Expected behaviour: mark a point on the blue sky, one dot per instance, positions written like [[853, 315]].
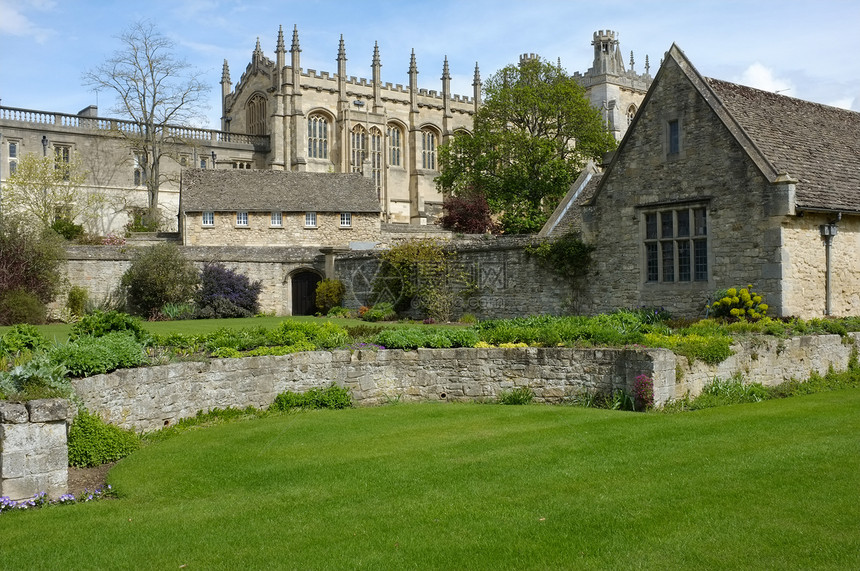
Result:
[[805, 49]]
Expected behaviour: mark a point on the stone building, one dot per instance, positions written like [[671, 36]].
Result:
[[280, 116], [331, 122], [615, 90], [276, 208], [718, 185]]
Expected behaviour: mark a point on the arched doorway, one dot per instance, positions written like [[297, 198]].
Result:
[[304, 286]]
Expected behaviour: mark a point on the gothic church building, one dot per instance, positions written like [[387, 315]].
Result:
[[281, 116]]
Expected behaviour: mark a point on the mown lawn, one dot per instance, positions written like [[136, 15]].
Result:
[[434, 486]]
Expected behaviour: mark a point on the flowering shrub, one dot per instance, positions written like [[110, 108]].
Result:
[[643, 392], [741, 303]]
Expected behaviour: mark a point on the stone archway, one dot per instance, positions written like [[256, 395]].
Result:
[[304, 287]]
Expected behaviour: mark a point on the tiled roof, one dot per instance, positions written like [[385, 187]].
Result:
[[267, 190], [814, 143]]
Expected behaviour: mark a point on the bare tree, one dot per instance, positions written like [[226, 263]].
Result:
[[155, 90]]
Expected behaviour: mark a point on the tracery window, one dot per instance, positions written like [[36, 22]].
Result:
[[256, 111], [317, 137], [376, 159], [358, 147], [428, 149], [395, 145]]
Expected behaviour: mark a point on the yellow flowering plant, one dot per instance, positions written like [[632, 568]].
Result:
[[740, 303]]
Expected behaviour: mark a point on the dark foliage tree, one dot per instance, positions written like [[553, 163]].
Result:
[[226, 293], [468, 213], [531, 138]]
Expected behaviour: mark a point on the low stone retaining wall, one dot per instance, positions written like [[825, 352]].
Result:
[[33, 452], [153, 397]]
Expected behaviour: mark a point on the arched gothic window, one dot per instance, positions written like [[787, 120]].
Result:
[[256, 110], [395, 145], [428, 149], [358, 147], [376, 158], [631, 112], [317, 137]]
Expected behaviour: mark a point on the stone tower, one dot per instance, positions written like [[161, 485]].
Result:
[[616, 91]]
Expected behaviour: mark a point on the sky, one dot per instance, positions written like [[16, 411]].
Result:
[[805, 49]]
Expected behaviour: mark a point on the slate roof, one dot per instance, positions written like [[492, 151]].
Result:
[[267, 190], [816, 144]]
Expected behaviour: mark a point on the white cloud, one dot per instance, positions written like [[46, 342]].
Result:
[[16, 23], [844, 103], [761, 77]]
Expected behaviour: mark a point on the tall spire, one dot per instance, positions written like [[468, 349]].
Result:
[[413, 67], [476, 87], [341, 50], [446, 91], [341, 75], [295, 47], [376, 66], [257, 49], [631, 60], [225, 73], [413, 83], [280, 47]]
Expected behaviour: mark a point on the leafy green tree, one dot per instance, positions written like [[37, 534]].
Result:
[[531, 138], [159, 275], [425, 275], [44, 190], [30, 260]]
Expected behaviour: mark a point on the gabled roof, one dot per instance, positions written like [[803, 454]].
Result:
[[567, 216], [267, 190], [814, 144]]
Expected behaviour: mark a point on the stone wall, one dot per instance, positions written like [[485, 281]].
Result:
[[806, 262], [510, 282], [292, 232], [151, 398], [99, 269], [154, 397], [33, 452]]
